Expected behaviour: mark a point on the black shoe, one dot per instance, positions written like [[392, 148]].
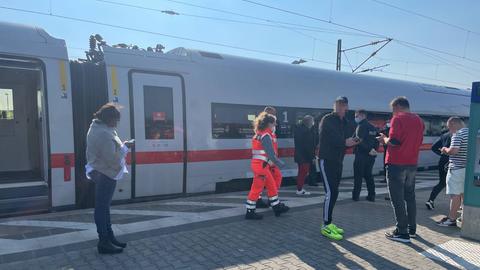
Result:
[[114, 240], [370, 198], [387, 198], [262, 204], [252, 215], [106, 247], [430, 205], [412, 233], [280, 209], [395, 236]]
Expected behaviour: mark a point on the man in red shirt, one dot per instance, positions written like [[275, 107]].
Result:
[[404, 141]]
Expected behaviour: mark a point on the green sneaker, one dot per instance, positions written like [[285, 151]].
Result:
[[336, 229], [331, 234]]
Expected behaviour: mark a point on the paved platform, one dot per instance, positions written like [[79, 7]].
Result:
[[209, 232]]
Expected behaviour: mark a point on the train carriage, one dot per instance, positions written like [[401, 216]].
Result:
[[189, 111]]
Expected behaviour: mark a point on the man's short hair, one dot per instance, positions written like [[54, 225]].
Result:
[[400, 102], [341, 100], [456, 120], [270, 110], [361, 111], [308, 118]]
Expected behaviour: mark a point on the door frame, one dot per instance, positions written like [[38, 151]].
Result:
[[131, 72], [46, 152]]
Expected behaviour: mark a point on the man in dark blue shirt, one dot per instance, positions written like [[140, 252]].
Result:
[[365, 154], [443, 141]]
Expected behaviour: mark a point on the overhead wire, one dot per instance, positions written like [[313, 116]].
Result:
[[177, 37], [359, 30]]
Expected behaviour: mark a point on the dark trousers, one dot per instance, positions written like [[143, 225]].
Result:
[[331, 172], [104, 189], [401, 186], [362, 168], [442, 180], [313, 176]]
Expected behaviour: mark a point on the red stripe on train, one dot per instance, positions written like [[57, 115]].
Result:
[[63, 160]]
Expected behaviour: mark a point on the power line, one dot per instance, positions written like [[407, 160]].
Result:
[[441, 59], [280, 24], [158, 33], [181, 38], [171, 12], [360, 30], [426, 17], [306, 27], [314, 18]]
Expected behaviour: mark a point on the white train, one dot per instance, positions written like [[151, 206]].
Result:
[[189, 112]]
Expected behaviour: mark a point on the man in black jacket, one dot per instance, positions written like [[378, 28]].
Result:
[[334, 138], [365, 154], [304, 151], [443, 141]]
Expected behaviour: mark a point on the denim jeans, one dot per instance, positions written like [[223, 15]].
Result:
[[104, 189], [401, 186]]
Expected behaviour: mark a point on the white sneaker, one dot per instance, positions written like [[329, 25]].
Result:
[[303, 192]]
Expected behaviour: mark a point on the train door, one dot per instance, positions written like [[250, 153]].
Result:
[[23, 167], [21, 125], [157, 122]]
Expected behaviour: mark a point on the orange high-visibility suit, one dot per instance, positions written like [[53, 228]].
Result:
[[276, 173], [262, 172]]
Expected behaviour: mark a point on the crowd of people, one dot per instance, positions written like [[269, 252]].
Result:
[[322, 149], [317, 152]]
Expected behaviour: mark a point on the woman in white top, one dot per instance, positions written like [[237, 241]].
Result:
[[105, 165]]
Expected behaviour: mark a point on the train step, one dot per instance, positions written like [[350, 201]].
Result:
[[24, 206], [23, 190]]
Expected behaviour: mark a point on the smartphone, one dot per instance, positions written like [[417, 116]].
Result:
[[132, 141]]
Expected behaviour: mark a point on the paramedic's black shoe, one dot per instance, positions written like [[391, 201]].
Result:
[[252, 215], [262, 204], [280, 209]]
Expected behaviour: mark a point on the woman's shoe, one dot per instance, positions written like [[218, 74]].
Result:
[[115, 242], [106, 247]]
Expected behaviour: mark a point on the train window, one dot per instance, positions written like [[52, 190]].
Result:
[[379, 120], [434, 125], [234, 121], [437, 126], [6, 104], [158, 113]]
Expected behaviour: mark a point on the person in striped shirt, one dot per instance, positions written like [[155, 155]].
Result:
[[457, 153]]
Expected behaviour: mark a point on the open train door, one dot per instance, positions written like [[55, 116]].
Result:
[[157, 115], [36, 131]]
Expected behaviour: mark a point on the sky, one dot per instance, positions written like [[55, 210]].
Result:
[[246, 29]]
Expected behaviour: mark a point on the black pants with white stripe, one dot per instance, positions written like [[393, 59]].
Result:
[[331, 172]]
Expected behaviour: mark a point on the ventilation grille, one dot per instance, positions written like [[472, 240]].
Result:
[[211, 55]]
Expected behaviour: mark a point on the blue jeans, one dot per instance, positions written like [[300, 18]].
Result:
[[104, 189], [401, 186]]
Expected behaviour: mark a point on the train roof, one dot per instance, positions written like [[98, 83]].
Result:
[[30, 41]]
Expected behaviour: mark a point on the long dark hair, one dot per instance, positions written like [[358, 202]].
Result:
[[263, 120]]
